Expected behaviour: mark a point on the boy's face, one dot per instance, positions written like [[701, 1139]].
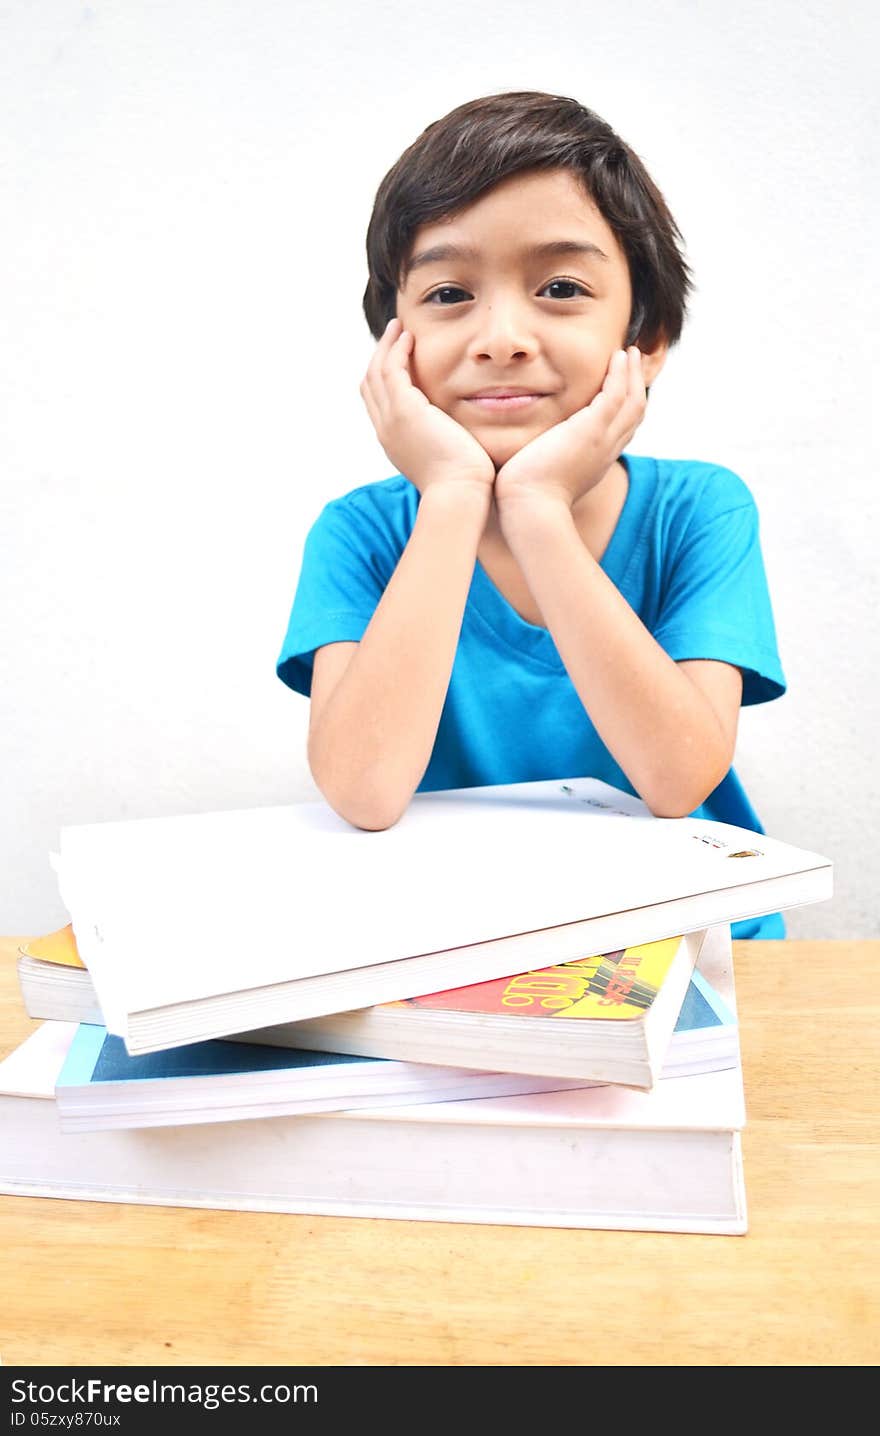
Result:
[[505, 316]]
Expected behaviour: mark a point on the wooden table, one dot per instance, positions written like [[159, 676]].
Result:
[[93, 1283]]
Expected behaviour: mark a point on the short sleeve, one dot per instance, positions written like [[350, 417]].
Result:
[[346, 564], [716, 603]]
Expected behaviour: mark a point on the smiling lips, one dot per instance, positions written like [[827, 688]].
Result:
[[503, 400]]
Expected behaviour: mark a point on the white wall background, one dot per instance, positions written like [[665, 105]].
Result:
[[185, 191]]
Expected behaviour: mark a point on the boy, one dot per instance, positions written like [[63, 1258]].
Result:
[[523, 599]]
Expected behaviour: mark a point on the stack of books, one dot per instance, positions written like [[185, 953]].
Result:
[[516, 1006]]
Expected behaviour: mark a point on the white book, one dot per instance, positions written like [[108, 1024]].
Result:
[[210, 924], [615, 1017], [603, 1157], [57, 991]]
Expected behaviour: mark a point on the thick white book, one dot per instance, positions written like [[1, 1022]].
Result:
[[603, 1157], [210, 924]]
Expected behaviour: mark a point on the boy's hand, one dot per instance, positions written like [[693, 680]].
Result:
[[423, 443], [565, 462]]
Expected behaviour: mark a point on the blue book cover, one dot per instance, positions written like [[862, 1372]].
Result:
[[97, 1056], [100, 1085], [703, 1008]]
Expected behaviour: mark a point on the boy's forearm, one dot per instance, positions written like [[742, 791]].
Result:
[[655, 722], [370, 744]]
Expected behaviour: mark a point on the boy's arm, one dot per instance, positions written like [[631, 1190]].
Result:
[[670, 726], [376, 705]]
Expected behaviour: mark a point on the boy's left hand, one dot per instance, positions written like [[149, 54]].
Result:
[[568, 460]]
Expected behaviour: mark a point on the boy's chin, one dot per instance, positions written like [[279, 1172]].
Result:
[[503, 449], [502, 443]]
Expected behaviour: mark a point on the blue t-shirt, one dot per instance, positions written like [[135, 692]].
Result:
[[686, 556]]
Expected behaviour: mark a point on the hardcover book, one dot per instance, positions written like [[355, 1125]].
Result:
[[603, 1156]]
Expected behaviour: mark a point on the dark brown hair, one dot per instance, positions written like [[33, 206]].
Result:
[[458, 158]]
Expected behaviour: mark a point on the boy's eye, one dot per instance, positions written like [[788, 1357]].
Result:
[[441, 295], [568, 284], [448, 294]]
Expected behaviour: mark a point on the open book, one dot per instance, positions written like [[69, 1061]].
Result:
[[205, 925]]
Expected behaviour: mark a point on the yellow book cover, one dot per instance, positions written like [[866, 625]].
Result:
[[59, 946]]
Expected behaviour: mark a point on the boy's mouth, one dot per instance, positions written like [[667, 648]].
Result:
[[503, 400]]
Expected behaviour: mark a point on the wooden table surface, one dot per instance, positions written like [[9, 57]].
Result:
[[94, 1283]]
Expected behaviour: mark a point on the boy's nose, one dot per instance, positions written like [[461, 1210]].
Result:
[[501, 333]]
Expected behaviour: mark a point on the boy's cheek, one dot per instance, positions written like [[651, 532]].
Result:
[[420, 371], [582, 394], [591, 375]]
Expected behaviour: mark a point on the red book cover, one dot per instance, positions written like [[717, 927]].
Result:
[[618, 985]]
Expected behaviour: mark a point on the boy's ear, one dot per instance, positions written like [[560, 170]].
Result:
[[653, 360]]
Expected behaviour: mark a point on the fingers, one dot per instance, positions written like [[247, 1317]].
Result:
[[395, 368], [388, 388], [371, 405], [624, 383], [636, 391], [388, 373], [616, 381], [372, 384], [620, 403], [633, 409]]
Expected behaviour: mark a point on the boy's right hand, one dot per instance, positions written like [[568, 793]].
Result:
[[425, 444]]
